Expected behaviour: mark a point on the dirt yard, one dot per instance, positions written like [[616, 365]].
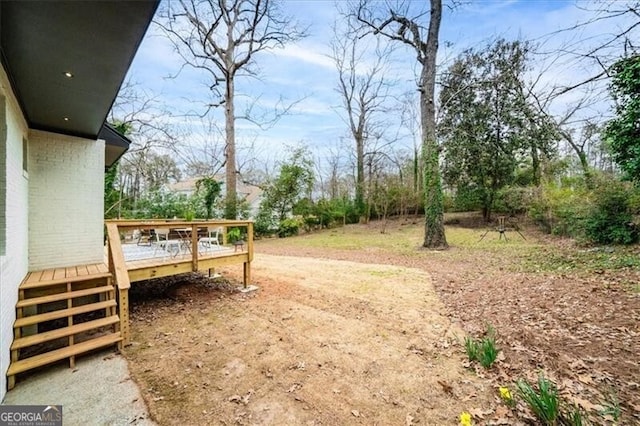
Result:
[[357, 327]]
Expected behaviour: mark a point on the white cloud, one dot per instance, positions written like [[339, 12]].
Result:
[[309, 54]]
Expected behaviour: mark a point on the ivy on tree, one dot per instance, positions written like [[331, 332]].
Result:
[[623, 132]]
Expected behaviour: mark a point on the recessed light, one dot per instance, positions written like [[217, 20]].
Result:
[[66, 118], [68, 74]]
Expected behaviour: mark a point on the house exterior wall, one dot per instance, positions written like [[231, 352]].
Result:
[[14, 209], [66, 187]]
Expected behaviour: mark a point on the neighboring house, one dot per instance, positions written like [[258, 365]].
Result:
[[62, 66], [247, 192]]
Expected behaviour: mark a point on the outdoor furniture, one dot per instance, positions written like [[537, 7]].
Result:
[[165, 243], [238, 245], [142, 237], [501, 228], [212, 238]]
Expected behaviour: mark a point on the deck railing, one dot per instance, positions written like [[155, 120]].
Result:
[[117, 230]]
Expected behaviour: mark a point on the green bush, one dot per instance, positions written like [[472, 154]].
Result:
[[467, 198], [289, 227], [560, 209], [610, 220], [265, 224], [514, 200], [234, 234]]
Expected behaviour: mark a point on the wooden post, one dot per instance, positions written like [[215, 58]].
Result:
[[120, 274], [72, 358], [123, 304], [247, 265], [246, 274], [194, 247], [250, 240]]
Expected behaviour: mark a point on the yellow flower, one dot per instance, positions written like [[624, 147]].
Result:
[[465, 419], [505, 394]]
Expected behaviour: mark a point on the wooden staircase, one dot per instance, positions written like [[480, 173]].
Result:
[[62, 313]]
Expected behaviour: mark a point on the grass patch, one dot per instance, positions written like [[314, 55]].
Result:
[[548, 260]]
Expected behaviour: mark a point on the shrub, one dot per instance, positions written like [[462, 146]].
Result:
[[514, 200], [289, 227], [560, 209], [234, 234], [610, 220], [467, 198], [265, 223]]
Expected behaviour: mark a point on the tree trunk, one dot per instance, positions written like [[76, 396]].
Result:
[[584, 162], [434, 236], [231, 208], [360, 203], [535, 164]]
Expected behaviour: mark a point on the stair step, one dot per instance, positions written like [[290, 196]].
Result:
[[63, 332], [63, 275], [62, 353], [63, 296], [30, 283], [36, 319]]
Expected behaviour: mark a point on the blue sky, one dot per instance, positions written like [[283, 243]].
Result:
[[305, 71]]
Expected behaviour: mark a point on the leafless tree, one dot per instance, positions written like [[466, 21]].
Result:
[[396, 24], [363, 85], [221, 38], [145, 121], [143, 118], [202, 148], [622, 20]]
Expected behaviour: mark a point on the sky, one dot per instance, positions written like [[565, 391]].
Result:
[[304, 74]]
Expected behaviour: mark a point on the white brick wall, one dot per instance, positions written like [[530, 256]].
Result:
[[14, 206], [66, 186]]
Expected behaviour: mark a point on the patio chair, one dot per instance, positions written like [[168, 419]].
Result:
[[165, 243], [212, 238]]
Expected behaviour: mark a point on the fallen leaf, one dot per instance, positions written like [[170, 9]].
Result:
[[446, 387], [501, 411], [585, 378], [586, 405], [294, 387], [478, 413]]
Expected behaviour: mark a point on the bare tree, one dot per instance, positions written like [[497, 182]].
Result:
[[221, 38], [364, 90], [140, 116], [411, 122], [202, 150], [622, 18], [396, 25]]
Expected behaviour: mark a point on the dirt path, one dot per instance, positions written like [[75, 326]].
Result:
[[321, 342]]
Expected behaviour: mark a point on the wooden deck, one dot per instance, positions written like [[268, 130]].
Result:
[[127, 269], [68, 311]]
